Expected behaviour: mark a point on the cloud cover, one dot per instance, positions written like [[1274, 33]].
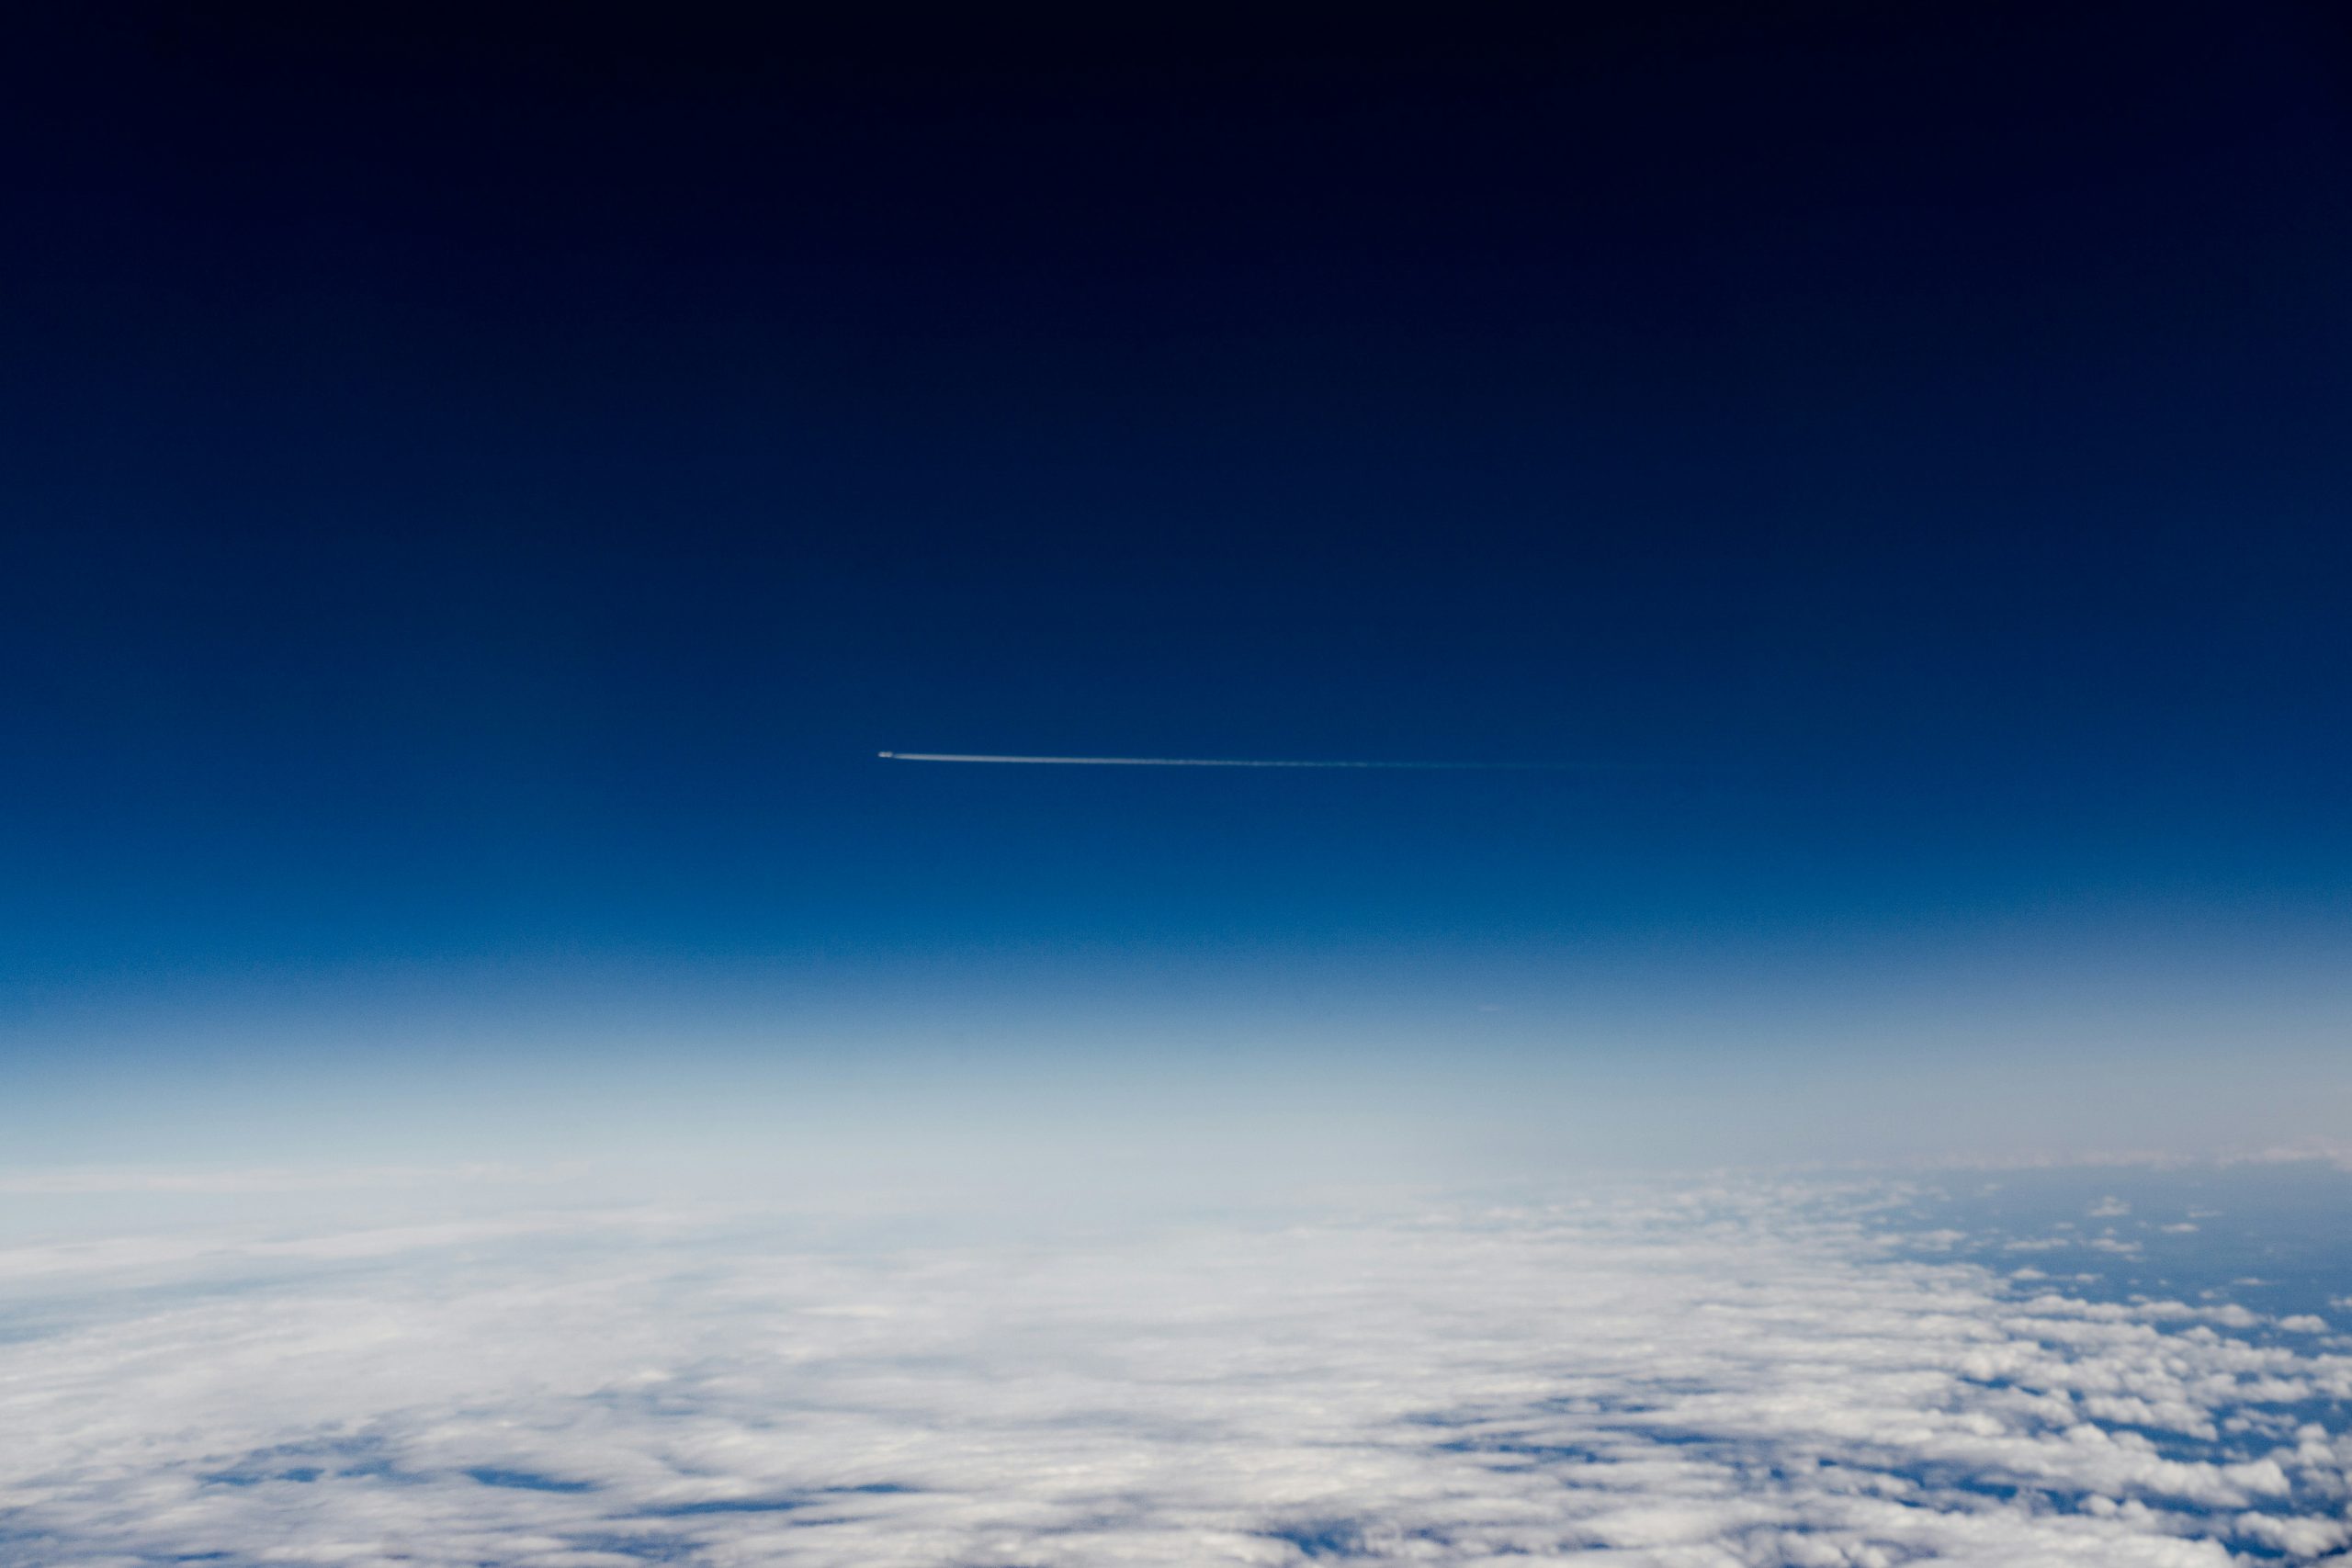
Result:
[[1685, 1377]]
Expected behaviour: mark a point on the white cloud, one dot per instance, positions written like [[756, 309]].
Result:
[[1716, 1376]]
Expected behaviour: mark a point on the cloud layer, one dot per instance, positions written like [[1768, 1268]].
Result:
[[1730, 1375]]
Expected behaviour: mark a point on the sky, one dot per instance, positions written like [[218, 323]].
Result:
[[481, 494]]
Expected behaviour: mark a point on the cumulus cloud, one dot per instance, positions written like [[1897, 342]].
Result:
[[1685, 1377]]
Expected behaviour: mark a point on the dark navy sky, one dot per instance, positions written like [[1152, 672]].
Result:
[[479, 494]]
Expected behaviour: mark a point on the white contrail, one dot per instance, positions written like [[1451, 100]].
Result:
[[1230, 762]]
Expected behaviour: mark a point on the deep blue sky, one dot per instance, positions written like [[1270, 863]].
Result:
[[478, 494]]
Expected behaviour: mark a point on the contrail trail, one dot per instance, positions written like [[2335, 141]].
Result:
[[1241, 762]]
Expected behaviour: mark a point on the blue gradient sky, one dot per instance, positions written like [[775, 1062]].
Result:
[[480, 499]]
